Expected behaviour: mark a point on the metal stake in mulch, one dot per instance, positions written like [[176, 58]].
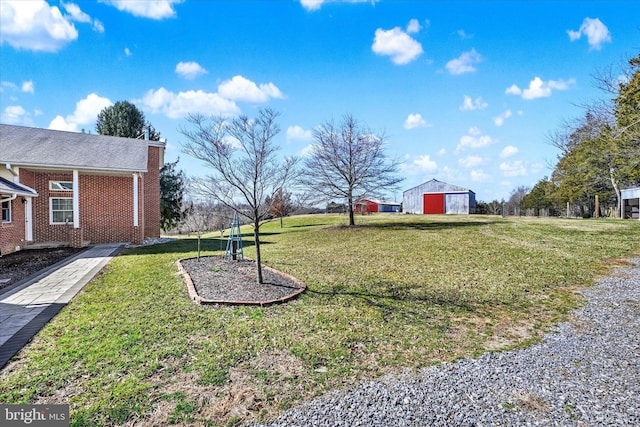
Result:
[[234, 244]]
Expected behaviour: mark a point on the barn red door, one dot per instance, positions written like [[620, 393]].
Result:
[[433, 203]]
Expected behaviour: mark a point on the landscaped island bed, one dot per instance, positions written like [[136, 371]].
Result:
[[396, 292]]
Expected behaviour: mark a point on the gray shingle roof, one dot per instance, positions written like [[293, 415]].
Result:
[[25, 146], [8, 187]]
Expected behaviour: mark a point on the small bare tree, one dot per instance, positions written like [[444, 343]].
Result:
[[246, 169], [199, 219], [347, 161]]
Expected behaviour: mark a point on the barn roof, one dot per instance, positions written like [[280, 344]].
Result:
[[46, 148], [435, 186]]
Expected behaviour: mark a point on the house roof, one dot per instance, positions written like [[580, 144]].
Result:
[[435, 186], [34, 147], [8, 187]]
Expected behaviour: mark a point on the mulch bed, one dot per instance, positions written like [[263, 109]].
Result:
[[214, 280], [22, 264]]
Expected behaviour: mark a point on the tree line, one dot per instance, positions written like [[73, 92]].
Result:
[[599, 154]]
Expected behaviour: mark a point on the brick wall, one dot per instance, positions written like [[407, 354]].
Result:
[[12, 233], [106, 209], [152, 193]]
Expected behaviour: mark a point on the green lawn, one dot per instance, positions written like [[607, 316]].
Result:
[[397, 292]]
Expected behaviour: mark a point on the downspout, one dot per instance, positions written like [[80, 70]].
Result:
[[15, 179]]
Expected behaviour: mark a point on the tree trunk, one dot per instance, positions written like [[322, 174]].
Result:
[[256, 238], [618, 193], [281, 226], [352, 221]]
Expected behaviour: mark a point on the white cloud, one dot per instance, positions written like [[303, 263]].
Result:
[[597, 33], [307, 151], [442, 151], [127, 51], [479, 176], [539, 88], [499, 120], [297, 133], [413, 26], [471, 161], [78, 15], [514, 168], [474, 139], [189, 70], [86, 112], [242, 89], [313, 5], [14, 114], [508, 151], [470, 104], [28, 86], [424, 163], [177, 105], [414, 121], [465, 63], [153, 9], [397, 44], [34, 25], [463, 35]]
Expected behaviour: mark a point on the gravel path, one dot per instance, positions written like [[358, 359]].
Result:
[[585, 373]]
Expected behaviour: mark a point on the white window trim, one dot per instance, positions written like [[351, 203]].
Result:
[[10, 213], [60, 189], [51, 211]]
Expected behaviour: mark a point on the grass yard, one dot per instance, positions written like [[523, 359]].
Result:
[[397, 292]]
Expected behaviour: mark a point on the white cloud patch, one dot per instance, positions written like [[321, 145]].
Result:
[[470, 104], [28, 86], [14, 114], [597, 33], [242, 89], [499, 119], [424, 163], [34, 25], [415, 121], [463, 35], [78, 15], [474, 139], [508, 151], [539, 88], [127, 51], [465, 63], [298, 133], [178, 105], [313, 5], [190, 70], [413, 26], [397, 44], [478, 175], [86, 112], [152, 9], [514, 168], [471, 161]]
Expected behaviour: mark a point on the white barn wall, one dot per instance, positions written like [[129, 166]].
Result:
[[458, 200]]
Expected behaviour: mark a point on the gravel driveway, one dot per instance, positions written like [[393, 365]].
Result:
[[585, 373]]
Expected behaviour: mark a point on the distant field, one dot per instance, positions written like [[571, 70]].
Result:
[[396, 292]]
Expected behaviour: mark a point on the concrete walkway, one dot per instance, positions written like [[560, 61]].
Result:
[[28, 305]]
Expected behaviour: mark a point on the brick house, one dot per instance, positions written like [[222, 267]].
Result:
[[77, 188]]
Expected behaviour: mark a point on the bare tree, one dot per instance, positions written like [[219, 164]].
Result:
[[245, 165], [199, 219], [347, 161]]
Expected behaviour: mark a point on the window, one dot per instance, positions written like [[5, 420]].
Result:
[[61, 185], [61, 210], [6, 211]]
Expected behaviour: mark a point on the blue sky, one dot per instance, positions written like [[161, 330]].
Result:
[[465, 91]]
